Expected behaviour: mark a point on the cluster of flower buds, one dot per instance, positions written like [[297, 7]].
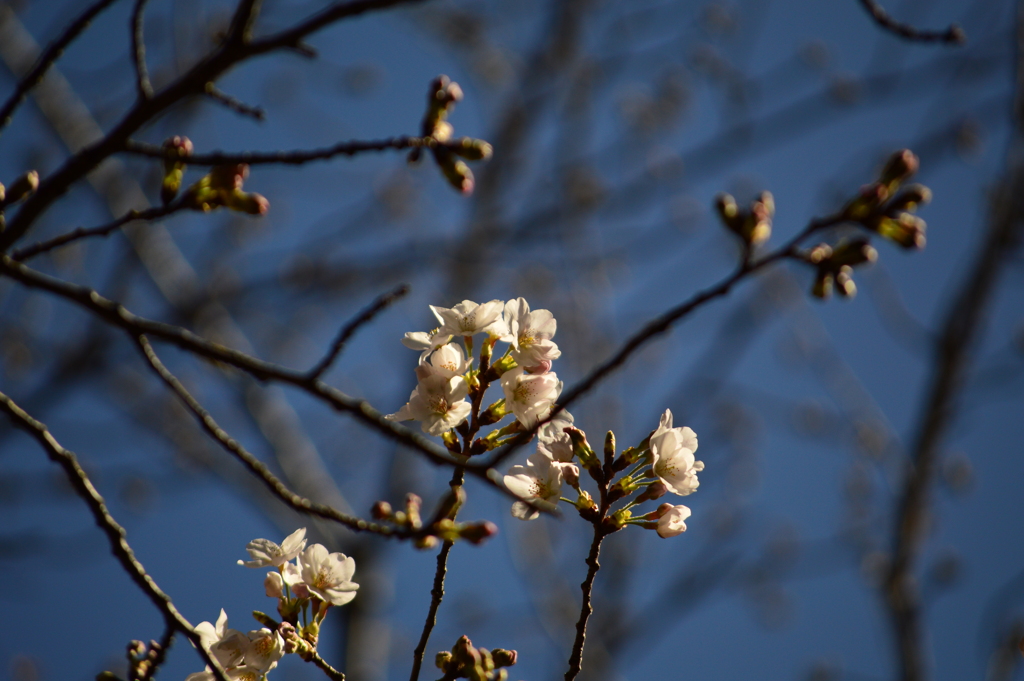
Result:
[[180, 148], [835, 266], [447, 150], [754, 226], [476, 664], [305, 590], [141, 660], [223, 187], [888, 211], [442, 525]]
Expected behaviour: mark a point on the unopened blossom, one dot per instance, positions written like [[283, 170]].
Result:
[[265, 553], [553, 441], [448, 361], [274, 585], [672, 521], [438, 403], [672, 452], [530, 334], [328, 575], [266, 647], [541, 478], [530, 396], [425, 341], [468, 318]]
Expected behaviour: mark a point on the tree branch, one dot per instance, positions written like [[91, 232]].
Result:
[[354, 325], [23, 254], [295, 157], [576, 657], [47, 58], [954, 35], [142, 84], [115, 533], [255, 466]]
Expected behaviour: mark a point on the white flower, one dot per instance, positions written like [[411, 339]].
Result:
[[265, 553], [672, 520], [540, 478], [227, 646], [530, 334], [530, 396], [328, 575], [672, 457], [553, 441], [425, 341], [292, 576], [468, 319], [266, 647], [448, 361], [438, 403]]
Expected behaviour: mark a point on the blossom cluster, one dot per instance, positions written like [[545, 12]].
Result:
[[447, 401], [305, 589]]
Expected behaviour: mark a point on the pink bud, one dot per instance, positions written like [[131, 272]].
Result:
[[542, 368]]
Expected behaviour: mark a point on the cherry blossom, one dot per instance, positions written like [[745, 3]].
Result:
[[328, 575], [530, 396], [672, 456], [266, 647], [530, 334], [553, 441], [265, 553], [425, 341], [541, 478], [438, 403], [468, 318], [448, 361]]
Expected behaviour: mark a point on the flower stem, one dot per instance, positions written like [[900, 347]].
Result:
[[436, 593], [576, 658]]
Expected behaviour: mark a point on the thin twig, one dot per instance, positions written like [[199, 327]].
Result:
[[654, 328], [115, 533], [331, 672], [436, 593], [35, 249], [244, 21], [49, 56], [117, 315], [255, 466], [354, 325], [295, 157], [576, 658], [236, 105], [953, 35], [142, 84], [190, 83]]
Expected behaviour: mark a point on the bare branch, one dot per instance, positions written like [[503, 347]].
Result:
[[142, 84], [47, 58], [954, 35], [331, 672], [23, 254], [354, 325], [255, 466], [236, 105], [115, 533], [295, 157]]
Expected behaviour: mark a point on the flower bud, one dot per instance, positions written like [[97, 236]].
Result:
[[428, 542], [471, 149], [451, 441], [581, 448], [867, 202], [455, 171], [494, 413], [504, 658], [912, 196], [853, 252], [655, 490], [274, 585], [229, 177], [822, 287], [609, 446], [844, 282], [442, 660], [475, 533], [542, 368], [174, 168], [571, 475], [900, 166], [381, 511], [265, 619], [22, 187], [3, 192], [251, 203], [728, 211]]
